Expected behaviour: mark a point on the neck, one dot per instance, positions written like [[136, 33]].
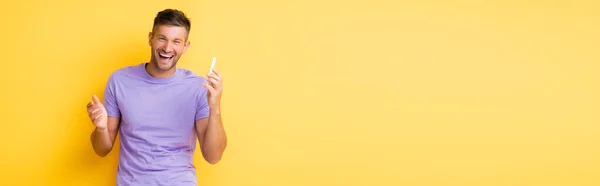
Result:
[[154, 71]]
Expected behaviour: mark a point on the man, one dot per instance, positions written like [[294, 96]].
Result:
[[159, 110]]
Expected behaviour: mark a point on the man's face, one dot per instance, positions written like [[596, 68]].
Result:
[[168, 43]]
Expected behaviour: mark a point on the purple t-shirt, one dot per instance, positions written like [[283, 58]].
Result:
[[157, 128]]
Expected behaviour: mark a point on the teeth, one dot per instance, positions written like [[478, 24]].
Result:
[[165, 56]]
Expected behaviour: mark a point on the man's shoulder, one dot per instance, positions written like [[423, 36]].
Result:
[[125, 72], [189, 75]]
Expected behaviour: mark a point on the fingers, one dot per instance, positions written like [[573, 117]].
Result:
[[97, 118], [96, 100], [213, 81], [215, 72], [210, 88], [94, 113], [97, 115], [91, 107], [94, 104], [214, 76]]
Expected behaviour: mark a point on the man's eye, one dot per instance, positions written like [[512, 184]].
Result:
[[177, 42], [161, 39]]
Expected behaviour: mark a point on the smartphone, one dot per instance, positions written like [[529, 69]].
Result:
[[213, 64]]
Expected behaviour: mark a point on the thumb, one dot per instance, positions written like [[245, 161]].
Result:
[[96, 100]]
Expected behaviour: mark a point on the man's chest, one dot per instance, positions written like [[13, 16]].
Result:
[[163, 108]]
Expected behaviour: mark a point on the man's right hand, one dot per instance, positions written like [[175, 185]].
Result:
[[97, 113]]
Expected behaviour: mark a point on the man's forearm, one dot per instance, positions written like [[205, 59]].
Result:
[[101, 141], [215, 139]]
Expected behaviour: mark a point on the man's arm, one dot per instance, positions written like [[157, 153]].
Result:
[[106, 120], [210, 131], [103, 139], [212, 137]]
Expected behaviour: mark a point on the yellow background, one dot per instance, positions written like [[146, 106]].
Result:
[[444, 93]]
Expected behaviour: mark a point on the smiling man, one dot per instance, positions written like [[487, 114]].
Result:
[[160, 110]]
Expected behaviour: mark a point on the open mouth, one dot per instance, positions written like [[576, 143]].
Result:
[[165, 57]]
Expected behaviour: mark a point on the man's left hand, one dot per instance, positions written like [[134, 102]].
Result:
[[214, 85]]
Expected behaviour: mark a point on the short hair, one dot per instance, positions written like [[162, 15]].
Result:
[[171, 17]]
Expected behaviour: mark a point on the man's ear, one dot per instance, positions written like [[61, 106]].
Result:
[[150, 38], [186, 45]]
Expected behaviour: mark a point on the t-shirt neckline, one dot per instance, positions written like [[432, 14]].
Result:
[[150, 78]]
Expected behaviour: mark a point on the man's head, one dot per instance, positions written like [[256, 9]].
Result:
[[169, 38]]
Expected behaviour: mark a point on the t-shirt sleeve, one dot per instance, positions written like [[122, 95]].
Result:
[[202, 109], [110, 99]]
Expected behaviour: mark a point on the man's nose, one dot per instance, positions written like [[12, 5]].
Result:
[[168, 48]]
